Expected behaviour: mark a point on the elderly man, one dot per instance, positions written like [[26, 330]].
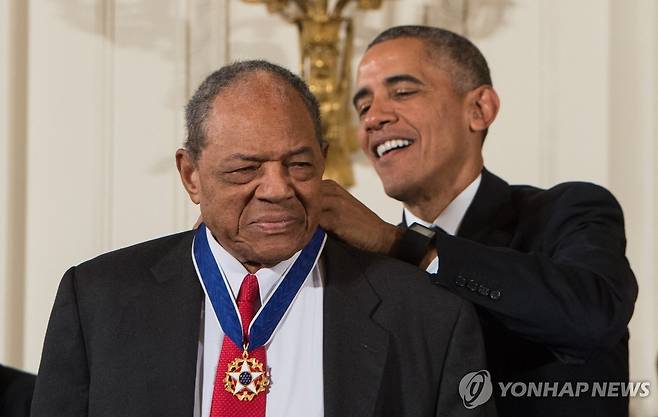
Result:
[[545, 268], [256, 313]]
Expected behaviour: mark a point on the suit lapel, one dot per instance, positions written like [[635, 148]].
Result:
[[490, 215], [172, 309], [355, 346]]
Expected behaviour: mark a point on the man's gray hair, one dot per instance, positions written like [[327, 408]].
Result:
[[454, 53], [199, 106]]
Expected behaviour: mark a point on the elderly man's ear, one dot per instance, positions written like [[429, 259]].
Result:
[[189, 174], [483, 105]]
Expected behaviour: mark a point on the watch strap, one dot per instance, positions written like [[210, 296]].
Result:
[[414, 243]]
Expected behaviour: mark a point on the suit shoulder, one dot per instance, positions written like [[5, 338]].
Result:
[[135, 257], [567, 210], [579, 196], [569, 191]]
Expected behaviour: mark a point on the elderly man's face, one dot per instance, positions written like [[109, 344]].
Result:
[[413, 124], [258, 178]]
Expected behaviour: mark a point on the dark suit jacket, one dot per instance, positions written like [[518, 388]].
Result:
[[123, 337], [16, 389], [554, 291]]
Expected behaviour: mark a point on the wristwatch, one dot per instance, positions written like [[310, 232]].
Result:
[[414, 243]]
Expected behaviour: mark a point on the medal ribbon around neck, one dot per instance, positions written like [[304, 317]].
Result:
[[270, 314]]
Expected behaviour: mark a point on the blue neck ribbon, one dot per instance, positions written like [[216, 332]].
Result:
[[269, 316]]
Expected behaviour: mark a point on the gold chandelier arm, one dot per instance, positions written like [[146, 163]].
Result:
[[347, 56], [338, 9]]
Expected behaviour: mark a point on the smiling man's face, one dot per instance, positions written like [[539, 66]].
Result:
[[258, 177], [414, 127]]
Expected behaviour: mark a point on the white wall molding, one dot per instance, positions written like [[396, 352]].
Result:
[[13, 131], [182, 54], [549, 88], [5, 198], [104, 193]]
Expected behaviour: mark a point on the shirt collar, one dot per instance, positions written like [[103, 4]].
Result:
[[451, 217], [235, 271]]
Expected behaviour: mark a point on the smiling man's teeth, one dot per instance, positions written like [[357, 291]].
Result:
[[392, 144]]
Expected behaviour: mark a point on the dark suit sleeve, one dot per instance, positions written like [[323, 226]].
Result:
[[62, 385], [573, 291], [465, 355]]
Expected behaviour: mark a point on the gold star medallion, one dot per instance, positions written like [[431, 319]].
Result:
[[246, 377]]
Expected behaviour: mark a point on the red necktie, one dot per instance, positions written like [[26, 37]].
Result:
[[224, 403]]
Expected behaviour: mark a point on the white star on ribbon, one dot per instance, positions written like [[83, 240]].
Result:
[[236, 377]]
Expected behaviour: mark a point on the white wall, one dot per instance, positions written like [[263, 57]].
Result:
[[92, 95], [633, 174]]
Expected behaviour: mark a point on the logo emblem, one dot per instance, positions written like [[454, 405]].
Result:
[[475, 388]]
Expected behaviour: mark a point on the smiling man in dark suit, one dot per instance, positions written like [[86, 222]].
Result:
[[256, 313], [545, 268]]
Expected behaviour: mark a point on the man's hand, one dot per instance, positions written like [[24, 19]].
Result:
[[348, 219]]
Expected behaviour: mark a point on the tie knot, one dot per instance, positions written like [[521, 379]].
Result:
[[249, 291]]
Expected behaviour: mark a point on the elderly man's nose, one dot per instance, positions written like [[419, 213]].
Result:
[[275, 184]]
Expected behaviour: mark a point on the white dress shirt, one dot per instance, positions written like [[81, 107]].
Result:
[[294, 353], [450, 218]]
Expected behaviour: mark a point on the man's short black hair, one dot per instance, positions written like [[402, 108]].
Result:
[[452, 52], [199, 106]]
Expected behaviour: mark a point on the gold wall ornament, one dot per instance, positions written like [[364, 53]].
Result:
[[326, 39]]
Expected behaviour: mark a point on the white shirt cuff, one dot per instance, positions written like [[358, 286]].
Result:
[[433, 267]]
